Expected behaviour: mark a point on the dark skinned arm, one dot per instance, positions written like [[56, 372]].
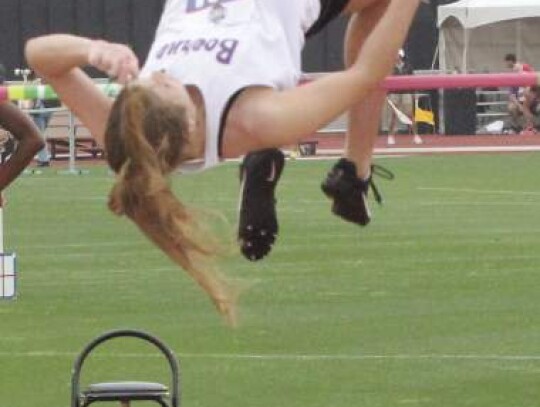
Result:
[[28, 137]]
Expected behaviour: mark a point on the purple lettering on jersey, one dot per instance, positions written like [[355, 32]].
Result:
[[173, 47], [224, 49], [186, 47], [211, 44], [227, 51], [198, 44], [162, 51], [198, 5]]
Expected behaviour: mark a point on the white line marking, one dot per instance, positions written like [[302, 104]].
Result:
[[479, 191], [331, 155], [290, 357], [12, 339], [89, 254], [469, 149], [73, 199], [80, 245], [446, 203], [388, 151]]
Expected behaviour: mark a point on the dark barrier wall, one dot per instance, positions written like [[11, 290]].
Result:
[[134, 21], [324, 51], [127, 21], [460, 112]]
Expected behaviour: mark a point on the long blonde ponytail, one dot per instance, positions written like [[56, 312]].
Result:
[[143, 142]]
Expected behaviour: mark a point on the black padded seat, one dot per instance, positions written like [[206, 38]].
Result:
[[126, 390]]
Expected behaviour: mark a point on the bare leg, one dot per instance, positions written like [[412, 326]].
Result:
[[393, 124], [364, 118], [348, 182], [392, 128], [516, 117]]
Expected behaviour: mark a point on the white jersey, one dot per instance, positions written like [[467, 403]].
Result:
[[224, 46]]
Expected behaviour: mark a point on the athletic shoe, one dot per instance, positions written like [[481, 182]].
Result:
[[417, 139], [528, 131], [258, 224], [350, 193]]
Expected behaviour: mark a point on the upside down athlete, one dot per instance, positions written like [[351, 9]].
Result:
[[219, 82]]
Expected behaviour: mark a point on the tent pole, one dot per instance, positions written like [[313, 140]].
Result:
[[444, 68], [464, 62], [442, 50], [519, 37]]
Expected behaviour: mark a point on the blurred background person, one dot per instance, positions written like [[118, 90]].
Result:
[[522, 100], [401, 104], [41, 119], [525, 112], [20, 139]]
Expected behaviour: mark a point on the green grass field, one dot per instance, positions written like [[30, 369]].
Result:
[[436, 303]]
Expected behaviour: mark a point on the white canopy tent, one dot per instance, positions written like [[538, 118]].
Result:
[[475, 35]]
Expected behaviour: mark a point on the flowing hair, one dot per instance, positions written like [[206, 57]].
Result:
[[144, 143]]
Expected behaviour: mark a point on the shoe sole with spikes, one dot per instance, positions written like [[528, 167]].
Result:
[[258, 225]]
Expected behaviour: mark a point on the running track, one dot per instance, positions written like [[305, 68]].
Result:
[[332, 143]]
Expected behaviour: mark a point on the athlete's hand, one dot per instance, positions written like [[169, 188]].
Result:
[[116, 60]]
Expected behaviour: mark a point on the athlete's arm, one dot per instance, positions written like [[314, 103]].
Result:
[[59, 58], [29, 142]]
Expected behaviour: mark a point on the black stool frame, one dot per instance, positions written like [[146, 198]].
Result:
[[169, 355]]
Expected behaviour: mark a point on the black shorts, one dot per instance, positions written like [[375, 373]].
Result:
[[330, 9]]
